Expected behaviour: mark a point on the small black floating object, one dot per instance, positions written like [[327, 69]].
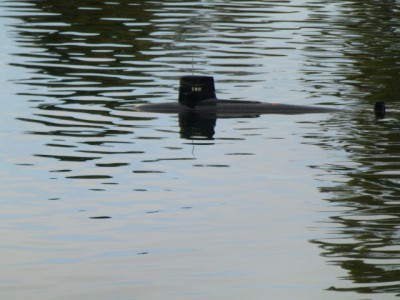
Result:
[[197, 94], [380, 110], [100, 217]]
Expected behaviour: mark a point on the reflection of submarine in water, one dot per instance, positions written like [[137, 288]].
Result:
[[195, 126], [197, 93]]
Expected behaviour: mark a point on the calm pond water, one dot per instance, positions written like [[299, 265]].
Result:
[[101, 202]]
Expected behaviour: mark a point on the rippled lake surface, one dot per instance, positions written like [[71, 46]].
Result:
[[101, 202]]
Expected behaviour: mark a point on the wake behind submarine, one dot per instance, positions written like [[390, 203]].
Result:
[[197, 94]]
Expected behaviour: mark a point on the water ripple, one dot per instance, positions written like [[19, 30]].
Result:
[[80, 62]]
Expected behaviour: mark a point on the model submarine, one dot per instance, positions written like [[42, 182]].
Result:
[[197, 94]]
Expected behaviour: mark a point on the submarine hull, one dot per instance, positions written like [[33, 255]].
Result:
[[234, 107]]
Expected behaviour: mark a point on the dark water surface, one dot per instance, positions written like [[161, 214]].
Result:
[[101, 202]]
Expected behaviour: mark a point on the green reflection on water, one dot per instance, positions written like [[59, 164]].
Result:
[[370, 71]]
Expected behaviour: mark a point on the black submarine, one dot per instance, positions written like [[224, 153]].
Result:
[[197, 94]]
